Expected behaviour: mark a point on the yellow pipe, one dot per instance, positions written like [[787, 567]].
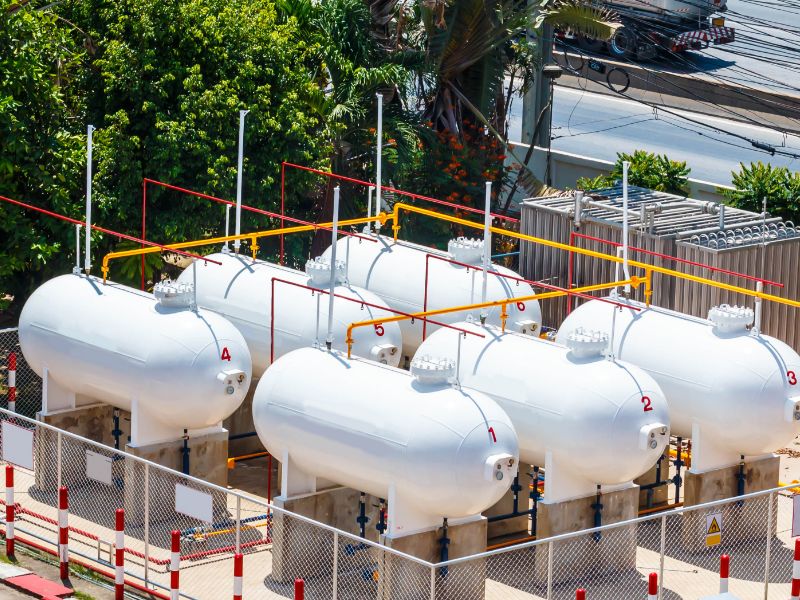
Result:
[[201, 536], [253, 237], [633, 281], [794, 490], [566, 247], [232, 460], [686, 456]]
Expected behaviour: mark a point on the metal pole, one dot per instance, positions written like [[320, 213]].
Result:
[[663, 553], [146, 524], [237, 243], [625, 269], [757, 319], [332, 285], [370, 189], [226, 248], [433, 583], [87, 266], [770, 498], [549, 570], [335, 581], [379, 159], [238, 524], [487, 245], [58, 459], [77, 268]]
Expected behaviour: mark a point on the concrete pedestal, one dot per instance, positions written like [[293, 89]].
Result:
[[241, 421], [515, 526], [741, 520], [300, 549], [402, 579], [659, 495], [614, 550]]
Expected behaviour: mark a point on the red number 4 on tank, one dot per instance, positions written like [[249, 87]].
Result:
[[226, 355]]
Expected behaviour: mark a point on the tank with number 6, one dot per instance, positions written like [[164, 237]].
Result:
[[732, 391], [586, 419]]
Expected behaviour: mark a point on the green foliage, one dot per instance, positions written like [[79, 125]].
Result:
[[647, 170], [758, 182]]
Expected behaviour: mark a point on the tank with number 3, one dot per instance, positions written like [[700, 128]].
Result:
[[586, 419], [732, 392]]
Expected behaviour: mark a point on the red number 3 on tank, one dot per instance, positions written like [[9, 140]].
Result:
[[646, 401], [791, 377]]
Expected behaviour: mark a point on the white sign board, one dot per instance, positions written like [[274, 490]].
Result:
[[17, 445], [193, 503], [713, 529], [796, 515], [98, 467]]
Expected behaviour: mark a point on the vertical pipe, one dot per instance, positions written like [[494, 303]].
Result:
[[119, 555], [10, 511], [283, 207], [12, 381], [144, 226], [185, 452], [625, 269], [238, 572], [77, 268], [757, 319], [796, 571], [379, 157], [63, 533], [549, 570], [226, 248], [487, 246], [87, 266], [370, 189], [146, 523], [175, 565], [768, 556], [724, 570], [662, 554], [59, 446], [238, 540], [194, 285], [335, 570], [332, 285], [237, 243], [578, 208]]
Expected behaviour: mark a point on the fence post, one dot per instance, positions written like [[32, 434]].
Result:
[[58, 459], [146, 524], [663, 553], [652, 586], [238, 543], [175, 565], [768, 555], [335, 581], [724, 570], [299, 589], [796, 571], [10, 511], [549, 570], [12, 381], [63, 532], [238, 572], [119, 555]]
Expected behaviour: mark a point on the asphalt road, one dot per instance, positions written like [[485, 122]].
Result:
[[599, 126]]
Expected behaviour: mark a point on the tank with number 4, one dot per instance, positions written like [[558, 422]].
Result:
[[586, 419], [730, 390]]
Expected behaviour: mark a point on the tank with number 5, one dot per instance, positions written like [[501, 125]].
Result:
[[586, 419], [732, 391]]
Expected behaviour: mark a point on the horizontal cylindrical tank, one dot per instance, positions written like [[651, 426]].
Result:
[[431, 450], [733, 392], [586, 419], [242, 291], [395, 271], [115, 344]]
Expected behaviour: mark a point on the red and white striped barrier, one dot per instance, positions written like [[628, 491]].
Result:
[[63, 532], [796, 571], [238, 570], [12, 382], [119, 556], [175, 566], [9, 511], [580, 594], [652, 587], [299, 589], [724, 569]]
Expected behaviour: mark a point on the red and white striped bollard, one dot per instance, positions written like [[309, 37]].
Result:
[[652, 586], [9, 511], [796, 571], [299, 589], [238, 571], [12, 382], [119, 556], [580, 594], [174, 566], [724, 570], [63, 532]]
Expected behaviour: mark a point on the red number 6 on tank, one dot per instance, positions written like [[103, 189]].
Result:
[[646, 401]]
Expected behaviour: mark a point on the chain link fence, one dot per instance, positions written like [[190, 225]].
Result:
[[28, 385], [611, 562]]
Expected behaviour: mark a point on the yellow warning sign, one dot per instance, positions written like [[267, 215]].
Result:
[[713, 529]]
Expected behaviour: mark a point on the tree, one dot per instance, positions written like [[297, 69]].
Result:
[[758, 182], [647, 170]]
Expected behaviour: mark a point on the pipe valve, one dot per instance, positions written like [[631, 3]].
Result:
[[651, 436], [232, 379], [500, 467]]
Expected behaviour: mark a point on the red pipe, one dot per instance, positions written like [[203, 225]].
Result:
[[356, 300], [144, 214], [401, 192], [570, 269], [121, 236], [680, 260]]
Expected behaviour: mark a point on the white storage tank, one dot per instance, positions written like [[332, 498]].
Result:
[[395, 271], [587, 420], [431, 450], [242, 291], [172, 367], [732, 392]]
